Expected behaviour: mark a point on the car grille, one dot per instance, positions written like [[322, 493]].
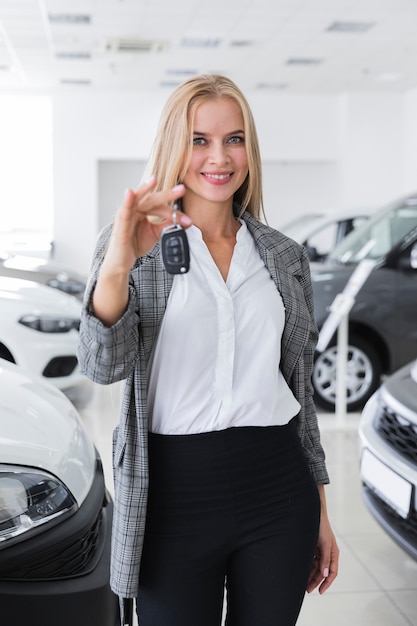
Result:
[[405, 527], [399, 432], [73, 557]]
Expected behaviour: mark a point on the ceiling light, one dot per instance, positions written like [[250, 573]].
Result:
[[181, 72], [136, 45], [170, 83], [200, 43], [73, 55], [304, 61], [350, 27], [241, 43], [69, 18], [75, 81], [272, 86]]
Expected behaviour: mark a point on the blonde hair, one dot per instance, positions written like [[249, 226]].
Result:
[[171, 152]]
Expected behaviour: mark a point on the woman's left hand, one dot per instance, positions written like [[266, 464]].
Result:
[[326, 560]]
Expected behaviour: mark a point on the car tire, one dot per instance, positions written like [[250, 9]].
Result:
[[362, 377]]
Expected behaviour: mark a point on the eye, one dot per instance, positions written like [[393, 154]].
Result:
[[199, 141], [236, 139]]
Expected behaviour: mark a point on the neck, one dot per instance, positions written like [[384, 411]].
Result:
[[213, 219]]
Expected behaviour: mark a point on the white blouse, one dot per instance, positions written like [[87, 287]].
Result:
[[216, 361]]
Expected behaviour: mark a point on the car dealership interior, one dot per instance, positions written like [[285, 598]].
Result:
[[332, 85]]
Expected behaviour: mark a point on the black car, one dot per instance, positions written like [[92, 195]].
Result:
[[383, 320], [388, 442]]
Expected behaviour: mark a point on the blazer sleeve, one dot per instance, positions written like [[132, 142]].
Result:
[[311, 434], [107, 354]]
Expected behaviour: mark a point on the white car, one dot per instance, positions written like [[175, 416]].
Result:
[[39, 330], [55, 511], [388, 445], [43, 271]]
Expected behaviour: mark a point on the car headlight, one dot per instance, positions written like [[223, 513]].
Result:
[[71, 286], [28, 499], [49, 324]]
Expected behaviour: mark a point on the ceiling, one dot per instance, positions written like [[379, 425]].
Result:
[[321, 46]]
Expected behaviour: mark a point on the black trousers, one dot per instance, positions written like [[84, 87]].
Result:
[[238, 508]]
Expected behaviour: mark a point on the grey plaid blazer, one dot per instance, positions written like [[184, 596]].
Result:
[[108, 355]]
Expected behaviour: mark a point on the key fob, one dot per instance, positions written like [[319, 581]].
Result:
[[175, 250]]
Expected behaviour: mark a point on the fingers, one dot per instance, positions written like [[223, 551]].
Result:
[[156, 206], [325, 565]]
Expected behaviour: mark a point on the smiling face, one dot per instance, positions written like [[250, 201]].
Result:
[[218, 164]]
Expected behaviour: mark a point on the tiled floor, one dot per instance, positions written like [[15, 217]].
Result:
[[377, 584]]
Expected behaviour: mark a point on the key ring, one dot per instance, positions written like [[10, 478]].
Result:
[[174, 213]]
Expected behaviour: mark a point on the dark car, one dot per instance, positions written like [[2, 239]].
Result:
[[55, 511], [383, 320], [388, 444]]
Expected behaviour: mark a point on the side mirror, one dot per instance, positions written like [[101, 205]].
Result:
[[413, 257], [313, 255], [408, 259]]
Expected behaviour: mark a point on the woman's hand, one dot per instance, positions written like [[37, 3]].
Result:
[[326, 560], [139, 222], [136, 229]]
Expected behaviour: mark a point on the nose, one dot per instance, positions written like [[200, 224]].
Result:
[[218, 153]]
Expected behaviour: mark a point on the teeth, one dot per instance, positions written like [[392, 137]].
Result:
[[218, 176]]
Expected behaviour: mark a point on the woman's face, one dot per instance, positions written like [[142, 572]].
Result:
[[219, 163]]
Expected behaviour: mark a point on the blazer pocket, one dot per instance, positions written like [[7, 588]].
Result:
[[118, 447]]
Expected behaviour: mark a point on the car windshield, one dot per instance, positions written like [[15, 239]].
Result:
[[292, 229], [374, 239]]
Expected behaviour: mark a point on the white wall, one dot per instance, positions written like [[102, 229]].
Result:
[[318, 152], [410, 150]]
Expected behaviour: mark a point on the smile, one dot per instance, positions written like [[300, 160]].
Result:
[[218, 176]]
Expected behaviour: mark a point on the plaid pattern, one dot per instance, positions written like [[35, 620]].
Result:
[[108, 355]]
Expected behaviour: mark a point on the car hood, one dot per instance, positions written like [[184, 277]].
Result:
[[402, 385], [35, 264], [40, 428], [28, 294]]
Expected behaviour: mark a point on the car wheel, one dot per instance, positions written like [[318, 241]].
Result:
[[363, 373]]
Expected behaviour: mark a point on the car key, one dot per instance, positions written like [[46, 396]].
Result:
[[175, 250]]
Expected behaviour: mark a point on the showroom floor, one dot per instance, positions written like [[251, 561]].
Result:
[[377, 583]]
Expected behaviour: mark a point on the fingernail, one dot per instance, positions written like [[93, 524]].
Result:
[[127, 192], [179, 187], [326, 572], [150, 179], [185, 220]]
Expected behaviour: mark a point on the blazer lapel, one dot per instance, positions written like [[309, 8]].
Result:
[[297, 321]]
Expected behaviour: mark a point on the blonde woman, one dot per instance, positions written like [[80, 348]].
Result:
[[219, 470]]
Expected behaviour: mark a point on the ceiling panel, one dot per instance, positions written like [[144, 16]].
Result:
[[322, 46]]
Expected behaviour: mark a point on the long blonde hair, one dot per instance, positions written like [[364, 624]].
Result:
[[171, 151]]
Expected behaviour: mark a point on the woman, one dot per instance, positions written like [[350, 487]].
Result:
[[219, 470]]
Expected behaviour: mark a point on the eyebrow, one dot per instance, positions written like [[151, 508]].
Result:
[[233, 132]]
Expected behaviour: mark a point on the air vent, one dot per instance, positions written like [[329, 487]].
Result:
[[350, 27], [136, 45]]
